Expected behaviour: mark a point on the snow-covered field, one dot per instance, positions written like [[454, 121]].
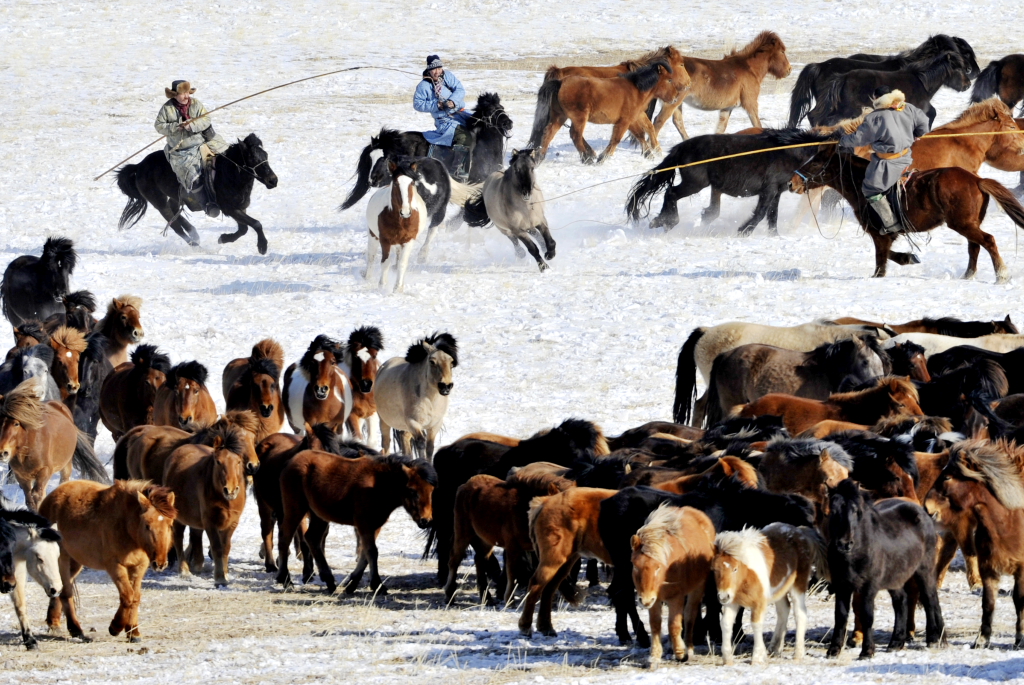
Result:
[[596, 336]]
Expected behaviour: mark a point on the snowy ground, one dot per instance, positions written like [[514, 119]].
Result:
[[596, 336]]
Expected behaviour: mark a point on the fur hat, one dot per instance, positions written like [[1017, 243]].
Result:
[[179, 87], [434, 62], [889, 99]]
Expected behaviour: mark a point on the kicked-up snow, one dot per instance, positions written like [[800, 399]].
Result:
[[595, 337]]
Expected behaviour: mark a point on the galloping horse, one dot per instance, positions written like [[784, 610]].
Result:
[[33, 287], [321, 391], [183, 400], [152, 181], [121, 327], [395, 217]]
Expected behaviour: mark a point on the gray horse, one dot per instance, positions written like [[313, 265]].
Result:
[[30, 362], [512, 200]]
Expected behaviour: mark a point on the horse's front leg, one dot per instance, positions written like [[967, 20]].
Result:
[[773, 214], [243, 219], [748, 101], [712, 211], [404, 253], [424, 252], [549, 241], [618, 131], [723, 120], [667, 111], [882, 245], [764, 201], [531, 247], [677, 119], [18, 596]]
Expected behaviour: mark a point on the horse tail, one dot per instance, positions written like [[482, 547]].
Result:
[[474, 212], [828, 103], [542, 114], [1005, 198], [120, 460], [686, 378], [987, 84], [136, 207], [712, 402], [802, 98], [464, 192], [362, 180], [85, 460], [638, 203], [819, 551]]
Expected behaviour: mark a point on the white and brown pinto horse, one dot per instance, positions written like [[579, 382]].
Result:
[[395, 217], [412, 394], [318, 389], [362, 366]]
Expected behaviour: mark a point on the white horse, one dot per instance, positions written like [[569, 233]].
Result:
[[395, 216], [36, 554], [412, 394], [704, 344], [30, 362], [934, 344]]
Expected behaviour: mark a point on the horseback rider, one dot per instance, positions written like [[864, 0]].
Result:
[[441, 95], [192, 145], [890, 130]]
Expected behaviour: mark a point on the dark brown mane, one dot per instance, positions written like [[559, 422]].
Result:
[[766, 40]]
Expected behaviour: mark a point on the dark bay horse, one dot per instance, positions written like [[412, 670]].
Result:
[[152, 181], [254, 383], [1002, 78], [34, 287], [952, 196], [489, 124], [129, 392]]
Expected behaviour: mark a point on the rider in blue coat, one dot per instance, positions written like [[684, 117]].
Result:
[[441, 95]]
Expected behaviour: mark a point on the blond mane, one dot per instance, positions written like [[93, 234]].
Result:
[[70, 338], [903, 384], [980, 112], [998, 466], [747, 547], [24, 404], [763, 40]]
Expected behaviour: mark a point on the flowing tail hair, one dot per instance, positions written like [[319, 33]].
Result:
[[136, 207], [638, 203], [1004, 198], [85, 460], [987, 83], [802, 98], [464, 192], [686, 378], [120, 460], [546, 97], [475, 212], [713, 413], [362, 180]]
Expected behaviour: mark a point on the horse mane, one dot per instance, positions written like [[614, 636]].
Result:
[[864, 445], [988, 376], [667, 53], [997, 466], [979, 112], [240, 418], [520, 176], [487, 102], [369, 337], [20, 515], [190, 371], [646, 77], [124, 301], [752, 429], [663, 522], [894, 425], [842, 126], [538, 483], [96, 344], [230, 438], [270, 350], [884, 383], [58, 247], [159, 496], [33, 328], [264, 367], [585, 435], [23, 404], [928, 49], [149, 357], [387, 139], [445, 342], [71, 338], [763, 41], [321, 343], [948, 325], [81, 298], [800, 450], [422, 467], [747, 547]]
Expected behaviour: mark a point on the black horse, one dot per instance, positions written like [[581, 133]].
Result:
[[35, 287], [730, 505], [93, 369], [873, 547], [79, 308], [847, 94], [489, 127], [765, 175], [815, 77], [1012, 363], [152, 180]]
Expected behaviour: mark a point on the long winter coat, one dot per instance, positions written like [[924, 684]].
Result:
[[887, 131], [445, 121], [182, 148]]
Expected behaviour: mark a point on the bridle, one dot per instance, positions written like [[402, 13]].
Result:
[[246, 168]]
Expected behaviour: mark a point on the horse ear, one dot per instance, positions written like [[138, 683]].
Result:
[[628, 469], [143, 501], [1007, 319], [414, 166], [515, 152], [307, 428], [408, 471], [635, 542], [392, 166], [170, 498], [218, 442]]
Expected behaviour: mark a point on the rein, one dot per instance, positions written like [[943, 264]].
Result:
[[250, 170]]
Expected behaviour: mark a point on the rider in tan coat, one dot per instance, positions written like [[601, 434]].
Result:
[[191, 145]]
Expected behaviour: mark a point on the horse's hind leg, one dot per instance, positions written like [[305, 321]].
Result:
[[179, 549], [677, 119], [556, 123], [618, 131], [764, 201], [69, 570], [587, 154], [385, 436], [170, 208], [723, 120], [883, 244], [267, 535], [1018, 605], [773, 215], [899, 626], [315, 535], [690, 182], [520, 252], [194, 551]]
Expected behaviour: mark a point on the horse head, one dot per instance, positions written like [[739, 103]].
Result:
[[127, 317], [68, 345], [317, 364], [188, 381], [847, 507], [266, 391], [490, 115], [256, 161], [673, 81], [228, 472], [521, 171], [970, 59], [363, 345], [79, 307], [154, 529], [405, 173], [778, 61], [440, 352], [30, 334], [153, 365], [21, 412], [58, 261], [954, 72], [903, 396], [40, 548], [650, 565], [420, 481]]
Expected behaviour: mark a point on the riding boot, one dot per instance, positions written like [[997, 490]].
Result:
[[195, 197], [460, 163], [211, 208], [880, 204]]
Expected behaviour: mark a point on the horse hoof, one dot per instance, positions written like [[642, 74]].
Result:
[[643, 641], [31, 644], [134, 640], [543, 267], [913, 259], [261, 246], [526, 632], [548, 632], [550, 255]]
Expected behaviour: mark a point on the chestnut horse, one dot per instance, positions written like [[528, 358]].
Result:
[[672, 554], [955, 197], [890, 395], [129, 392], [724, 468], [254, 383], [209, 486], [68, 345], [121, 529], [361, 358], [619, 101], [317, 390], [183, 400], [355, 492], [724, 84], [38, 439], [122, 326], [946, 325]]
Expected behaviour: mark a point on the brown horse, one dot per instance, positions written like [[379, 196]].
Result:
[[209, 484], [563, 528], [724, 468], [183, 400], [979, 497], [254, 383], [360, 493], [943, 326], [361, 359], [121, 327], [128, 393], [890, 395], [735, 80], [807, 467], [619, 101], [1004, 152], [955, 197], [121, 529], [317, 390], [489, 513], [672, 554], [1003, 78], [28, 334], [68, 344], [38, 439]]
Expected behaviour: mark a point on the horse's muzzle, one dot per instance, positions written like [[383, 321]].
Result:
[[843, 547], [321, 392], [230, 495], [365, 386], [445, 388], [6, 455], [138, 334], [53, 592], [424, 522], [72, 388], [270, 181], [251, 468], [266, 410]]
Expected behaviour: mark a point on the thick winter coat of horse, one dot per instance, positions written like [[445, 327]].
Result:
[[34, 287]]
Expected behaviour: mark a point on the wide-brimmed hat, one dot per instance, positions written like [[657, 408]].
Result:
[[434, 62], [179, 87]]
